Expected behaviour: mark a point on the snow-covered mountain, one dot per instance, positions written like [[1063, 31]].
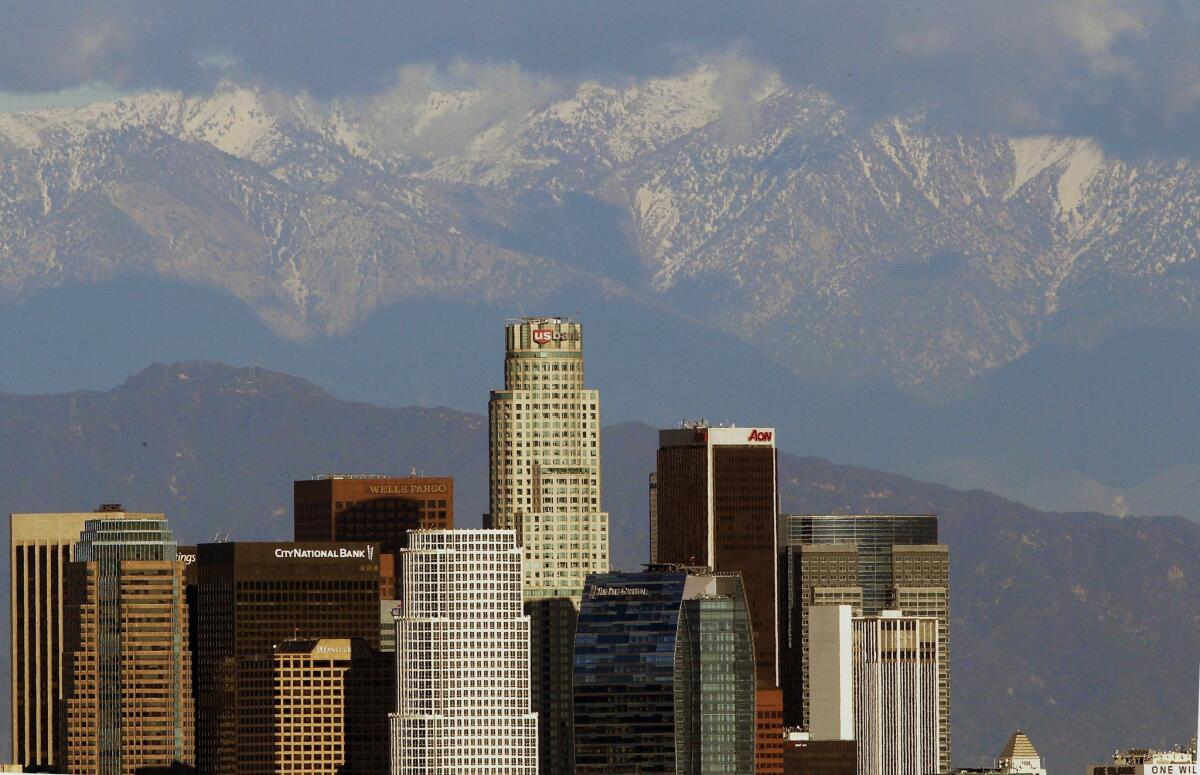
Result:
[[840, 247]]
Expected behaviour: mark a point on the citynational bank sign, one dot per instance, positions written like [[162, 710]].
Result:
[[330, 553]]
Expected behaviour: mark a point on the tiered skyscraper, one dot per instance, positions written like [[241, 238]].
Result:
[[462, 658], [545, 484], [545, 457], [128, 676]]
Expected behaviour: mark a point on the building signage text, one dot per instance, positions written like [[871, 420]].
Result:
[[341, 553], [619, 592], [406, 489], [542, 336], [757, 435]]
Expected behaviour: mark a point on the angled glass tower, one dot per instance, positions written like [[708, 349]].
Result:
[[664, 675]]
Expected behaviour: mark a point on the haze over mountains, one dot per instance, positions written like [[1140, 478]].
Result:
[[922, 300], [1080, 628]]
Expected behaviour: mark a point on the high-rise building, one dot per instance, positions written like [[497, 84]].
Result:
[[462, 658], [803, 756], [250, 598], [664, 675], [715, 505], [896, 669], [713, 502], [545, 484], [1147, 761], [871, 563], [373, 509], [40, 547], [128, 674], [545, 457], [332, 700]]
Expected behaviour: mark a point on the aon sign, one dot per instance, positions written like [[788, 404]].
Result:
[[757, 435]]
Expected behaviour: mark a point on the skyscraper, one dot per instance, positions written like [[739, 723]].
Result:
[[896, 668], [250, 598], [462, 658], [664, 675], [375, 509], [128, 680], [40, 547], [545, 457], [871, 563], [713, 501], [545, 484], [716, 505], [332, 700]]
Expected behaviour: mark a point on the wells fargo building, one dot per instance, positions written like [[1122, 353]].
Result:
[[251, 597]]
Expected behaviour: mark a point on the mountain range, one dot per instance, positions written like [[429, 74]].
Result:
[[1080, 629], [979, 309]]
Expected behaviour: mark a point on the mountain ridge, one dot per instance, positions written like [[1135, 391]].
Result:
[[839, 247]]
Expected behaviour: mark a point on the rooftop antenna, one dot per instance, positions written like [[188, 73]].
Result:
[[412, 471]]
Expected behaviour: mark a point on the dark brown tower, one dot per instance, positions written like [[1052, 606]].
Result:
[[250, 598], [716, 506]]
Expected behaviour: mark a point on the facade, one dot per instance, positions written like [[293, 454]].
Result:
[[462, 658], [128, 676], [40, 548], [372, 509], [332, 700], [871, 563], [768, 732], [831, 694], [545, 479], [715, 504], [803, 756], [664, 675], [1143, 761], [545, 458], [896, 719], [250, 597], [1018, 756]]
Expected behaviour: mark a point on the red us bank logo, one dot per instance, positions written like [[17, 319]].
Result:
[[757, 435], [543, 336]]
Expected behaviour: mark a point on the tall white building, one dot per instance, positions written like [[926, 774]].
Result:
[[545, 457], [896, 668], [462, 658]]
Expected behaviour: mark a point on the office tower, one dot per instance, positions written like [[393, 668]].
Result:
[[462, 658], [545, 484], [831, 694], [545, 457], [664, 675], [373, 509], [896, 668], [251, 597], [40, 546], [768, 732], [872, 563], [1018, 756], [332, 700], [128, 669], [716, 505], [804, 756]]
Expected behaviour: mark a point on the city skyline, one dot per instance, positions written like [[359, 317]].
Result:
[[899, 569]]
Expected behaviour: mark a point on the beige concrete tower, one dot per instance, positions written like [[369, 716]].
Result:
[[545, 484], [545, 458], [40, 547]]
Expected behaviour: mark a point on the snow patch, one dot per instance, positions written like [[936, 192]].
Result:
[[1076, 159]]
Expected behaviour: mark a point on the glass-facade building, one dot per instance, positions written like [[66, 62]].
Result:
[[664, 675]]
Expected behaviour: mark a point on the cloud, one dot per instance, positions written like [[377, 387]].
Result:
[[1125, 72]]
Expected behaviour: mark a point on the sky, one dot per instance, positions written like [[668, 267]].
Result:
[[1127, 73]]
